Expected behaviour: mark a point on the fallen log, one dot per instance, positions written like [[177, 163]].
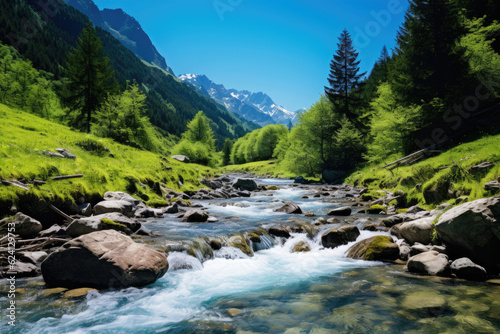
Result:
[[66, 177], [62, 214], [9, 183]]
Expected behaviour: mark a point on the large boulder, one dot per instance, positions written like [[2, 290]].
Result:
[[279, 231], [245, 184], [290, 208], [466, 269], [343, 211], [101, 260], [110, 221], [26, 226], [124, 207], [415, 231], [339, 236], [429, 263], [195, 216], [300, 180], [379, 248], [472, 230]]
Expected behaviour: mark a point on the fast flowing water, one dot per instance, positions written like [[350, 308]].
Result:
[[275, 291]]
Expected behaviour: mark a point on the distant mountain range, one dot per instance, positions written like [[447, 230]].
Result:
[[258, 108], [124, 28]]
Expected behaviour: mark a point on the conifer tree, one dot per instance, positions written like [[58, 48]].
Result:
[[90, 78], [345, 78], [429, 64]]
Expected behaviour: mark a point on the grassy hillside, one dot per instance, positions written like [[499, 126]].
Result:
[[23, 136], [263, 168], [450, 170]]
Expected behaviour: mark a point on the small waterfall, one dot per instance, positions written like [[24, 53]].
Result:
[[230, 253], [182, 261], [266, 242]]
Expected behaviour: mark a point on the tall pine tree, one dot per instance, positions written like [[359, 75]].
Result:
[[345, 78], [428, 63], [89, 78]]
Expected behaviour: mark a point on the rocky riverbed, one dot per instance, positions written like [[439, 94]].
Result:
[[262, 255]]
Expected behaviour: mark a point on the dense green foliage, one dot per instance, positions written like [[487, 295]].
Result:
[[122, 117], [45, 33], [259, 145], [89, 79], [198, 142], [434, 90], [23, 87]]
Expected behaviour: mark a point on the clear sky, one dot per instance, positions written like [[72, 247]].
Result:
[[280, 47]]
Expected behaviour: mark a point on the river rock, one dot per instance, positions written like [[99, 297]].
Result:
[[280, 231], [88, 225], [300, 180], [301, 247], [85, 209], [181, 158], [430, 263], [25, 269], [26, 226], [415, 209], [290, 208], [245, 184], [105, 259], [33, 257], [121, 206], [338, 236], [378, 248], [404, 249], [343, 211], [418, 248], [466, 269], [120, 196], [415, 231], [53, 230], [174, 208], [472, 230], [195, 216]]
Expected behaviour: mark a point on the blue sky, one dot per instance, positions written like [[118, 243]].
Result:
[[280, 47]]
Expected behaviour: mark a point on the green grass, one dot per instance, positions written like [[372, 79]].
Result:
[[262, 168], [23, 136], [431, 174]]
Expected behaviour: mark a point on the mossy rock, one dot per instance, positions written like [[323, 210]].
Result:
[[187, 202], [78, 292], [109, 222], [254, 237], [272, 188], [55, 291], [376, 209], [402, 211], [157, 203], [241, 243], [379, 248], [301, 247]]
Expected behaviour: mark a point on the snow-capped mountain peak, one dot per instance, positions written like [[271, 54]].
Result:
[[256, 107]]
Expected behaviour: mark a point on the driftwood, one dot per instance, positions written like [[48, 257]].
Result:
[[66, 177], [38, 182], [16, 184], [62, 214], [412, 158]]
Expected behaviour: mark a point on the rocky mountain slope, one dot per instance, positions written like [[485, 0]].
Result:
[[124, 28], [256, 107]]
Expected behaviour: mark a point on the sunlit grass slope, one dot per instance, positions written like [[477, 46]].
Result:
[[449, 170], [24, 136]]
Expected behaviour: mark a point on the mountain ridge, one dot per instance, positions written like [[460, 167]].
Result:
[[124, 28], [255, 107]]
